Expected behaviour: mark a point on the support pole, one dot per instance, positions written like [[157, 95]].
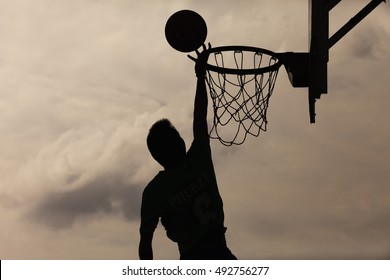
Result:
[[353, 22]]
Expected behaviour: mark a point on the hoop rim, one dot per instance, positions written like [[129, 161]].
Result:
[[261, 70]]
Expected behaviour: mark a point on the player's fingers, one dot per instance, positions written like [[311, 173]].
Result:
[[192, 58]]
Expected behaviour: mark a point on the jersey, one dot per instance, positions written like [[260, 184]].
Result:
[[187, 201]]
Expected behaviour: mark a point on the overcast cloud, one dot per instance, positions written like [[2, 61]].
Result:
[[82, 81]]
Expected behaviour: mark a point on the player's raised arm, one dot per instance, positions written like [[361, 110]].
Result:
[[200, 128]]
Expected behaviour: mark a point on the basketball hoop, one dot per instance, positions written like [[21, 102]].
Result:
[[241, 80]]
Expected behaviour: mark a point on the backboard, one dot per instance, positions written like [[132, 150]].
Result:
[[318, 51], [320, 43]]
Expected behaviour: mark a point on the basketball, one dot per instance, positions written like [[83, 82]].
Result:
[[186, 31]]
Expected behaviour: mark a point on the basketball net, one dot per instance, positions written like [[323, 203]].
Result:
[[241, 83]]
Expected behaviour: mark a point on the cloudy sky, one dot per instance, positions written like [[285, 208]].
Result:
[[81, 82]]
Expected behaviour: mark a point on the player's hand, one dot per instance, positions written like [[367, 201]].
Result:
[[201, 60]]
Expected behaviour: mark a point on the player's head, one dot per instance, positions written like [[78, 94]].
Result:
[[165, 144]]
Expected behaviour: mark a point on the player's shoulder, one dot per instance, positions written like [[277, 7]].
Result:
[[199, 145], [154, 183]]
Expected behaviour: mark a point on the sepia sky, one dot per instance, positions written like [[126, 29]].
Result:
[[81, 82]]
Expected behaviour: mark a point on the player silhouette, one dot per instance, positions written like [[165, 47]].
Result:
[[185, 194]]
